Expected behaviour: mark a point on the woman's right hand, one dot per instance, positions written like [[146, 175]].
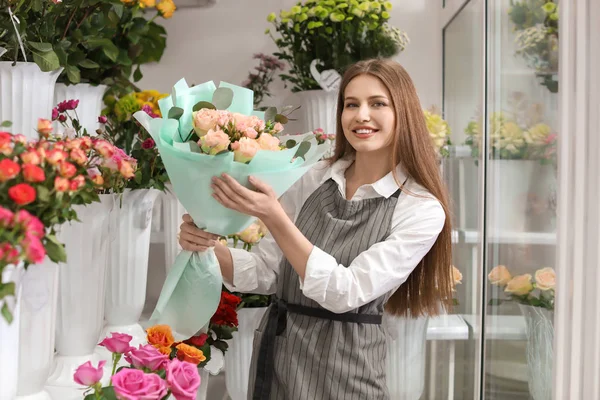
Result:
[[192, 238]]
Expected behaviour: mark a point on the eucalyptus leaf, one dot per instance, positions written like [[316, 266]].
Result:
[[282, 119], [203, 104], [290, 143], [222, 98], [302, 149], [270, 113], [175, 113]]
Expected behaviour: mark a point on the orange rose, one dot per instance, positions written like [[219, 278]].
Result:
[[165, 350], [160, 336], [189, 354]]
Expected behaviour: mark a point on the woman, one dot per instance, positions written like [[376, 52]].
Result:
[[367, 230]]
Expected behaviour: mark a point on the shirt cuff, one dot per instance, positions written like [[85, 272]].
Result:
[[318, 271], [244, 271]]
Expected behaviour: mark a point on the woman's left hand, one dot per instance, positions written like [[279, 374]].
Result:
[[260, 203]]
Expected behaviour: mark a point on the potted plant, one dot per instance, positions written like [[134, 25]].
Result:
[[132, 217], [328, 35], [535, 297], [536, 27]]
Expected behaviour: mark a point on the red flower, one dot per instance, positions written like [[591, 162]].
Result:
[[22, 194], [8, 170], [102, 119], [226, 314], [148, 144], [54, 114], [197, 341], [33, 173]]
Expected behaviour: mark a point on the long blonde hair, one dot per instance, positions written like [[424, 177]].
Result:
[[431, 281]]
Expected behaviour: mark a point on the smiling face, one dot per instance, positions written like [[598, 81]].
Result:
[[368, 117]]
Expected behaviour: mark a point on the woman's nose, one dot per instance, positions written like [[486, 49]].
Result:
[[363, 114]]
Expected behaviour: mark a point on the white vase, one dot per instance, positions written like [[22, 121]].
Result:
[[9, 335], [539, 325], [131, 221], [239, 353], [406, 356], [26, 94], [317, 110], [37, 333], [82, 290], [172, 213], [90, 102], [520, 196]]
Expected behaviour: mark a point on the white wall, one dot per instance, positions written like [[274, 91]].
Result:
[[218, 43]]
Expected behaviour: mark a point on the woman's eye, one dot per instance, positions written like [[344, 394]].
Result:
[[349, 105], [379, 104]]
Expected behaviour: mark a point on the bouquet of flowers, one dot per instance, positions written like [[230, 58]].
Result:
[[125, 132], [521, 288], [517, 134], [157, 370], [206, 131], [536, 27], [439, 131], [336, 32]]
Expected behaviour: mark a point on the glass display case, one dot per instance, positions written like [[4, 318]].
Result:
[[501, 103]]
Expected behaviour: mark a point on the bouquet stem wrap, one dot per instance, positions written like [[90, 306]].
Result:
[[191, 292]]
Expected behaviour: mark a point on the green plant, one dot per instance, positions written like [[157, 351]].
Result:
[[336, 32], [121, 129], [536, 26], [95, 41]]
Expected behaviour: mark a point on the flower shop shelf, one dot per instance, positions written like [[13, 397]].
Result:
[[499, 327], [506, 237]]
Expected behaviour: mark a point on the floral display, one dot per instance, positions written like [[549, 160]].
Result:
[[537, 290], [152, 373], [536, 27], [439, 131], [336, 32], [259, 80]]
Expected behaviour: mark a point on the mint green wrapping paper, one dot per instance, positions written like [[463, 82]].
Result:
[[192, 289]]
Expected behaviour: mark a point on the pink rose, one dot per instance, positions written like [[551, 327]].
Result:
[[6, 217], [117, 343], [250, 133], [183, 379], [545, 278], [214, 142], [204, 120], [134, 384], [31, 222], [251, 234], [87, 375], [34, 249], [268, 142], [244, 149], [147, 356], [256, 123], [278, 127]]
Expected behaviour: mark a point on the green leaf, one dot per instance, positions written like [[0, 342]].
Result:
[[137, 74], [222, 98], [89, 64], [55, 249], [6, 124], [6, 314], [73, 73], [111, 51], [221, 345], [495, 302], [118, 9], [302, 149], [203, 104], [270, 113], [175, 113], [47, 61], [290, 143], [41, 47], [43, 193], [281, 119], [7, 289]]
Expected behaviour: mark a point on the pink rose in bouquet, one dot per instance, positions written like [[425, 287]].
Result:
[[147, 356], [134, 384], [87, 375], [117, 343], [183, 379]]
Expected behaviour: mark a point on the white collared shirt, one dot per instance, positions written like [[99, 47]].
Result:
[[416, 224]]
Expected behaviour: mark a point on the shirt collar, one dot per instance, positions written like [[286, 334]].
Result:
[[385, 186]]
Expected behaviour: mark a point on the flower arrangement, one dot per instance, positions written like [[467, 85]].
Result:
[[120, 127], [439, 131], [336, 32], [260, 80], [151, 374], [94, 41], [519, 134], [521, 288], [536, 26], [21, 241]]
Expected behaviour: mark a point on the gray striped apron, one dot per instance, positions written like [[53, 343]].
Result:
[[302, 351]]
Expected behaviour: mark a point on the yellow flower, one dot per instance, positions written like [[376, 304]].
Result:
[[438, 129], [537, 134], [147, 3], [519, 285], [499, 275], [545, 278], [166, 8], [271, 17]]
